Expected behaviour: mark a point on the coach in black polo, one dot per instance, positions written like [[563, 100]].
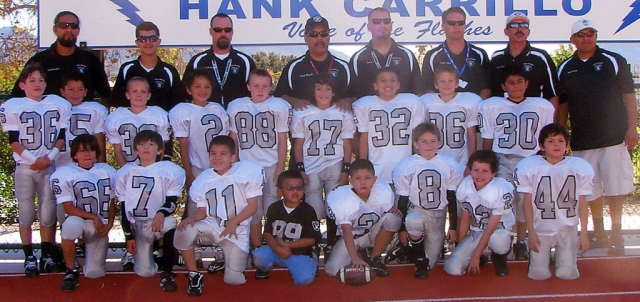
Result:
[[230, 68], [167, 89], [597, 87], [296, 84], [65, 57], [539, 69], [382, 51], [471, 62]]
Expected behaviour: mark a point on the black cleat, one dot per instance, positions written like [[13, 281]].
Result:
[[422, 268], [327, 252], [196, 283], [167, 283], [31, 266], [217, 266], [47, 265], [500, 264], [397, 253], [376, 264], [520, 251], [127, 262], [71, 280], [261, 275], [616, 245]]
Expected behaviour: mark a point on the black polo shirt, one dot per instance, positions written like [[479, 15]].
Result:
[[297, 79], [365, 63], [594, 89], [56, 67], [167, 89], [539, 70], [475, 67], [237, 66]]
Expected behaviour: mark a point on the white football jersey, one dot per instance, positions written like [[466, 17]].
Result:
[[554, 190], [496, 198], [86, 118], [426, 182], [122, 126], [323, 132], [514, 127], [38, 123], [200, 125], [90, 190], [389, 124], [257, 126], [224, 196], [346, 207], [453, 118], [143, 190]]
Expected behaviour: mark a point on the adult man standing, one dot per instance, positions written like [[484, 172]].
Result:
[[382, 51], [164, 80], [471, 62], [63, 57], [597, 92], [229, 67], [297, 80], [539, 69]]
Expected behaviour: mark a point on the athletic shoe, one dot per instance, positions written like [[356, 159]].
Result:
[[70, 281], [616, 245], [167, 283], [397, 253], [261, 275], [127, 262], [422, 268], [598, 241], [180, 261], [376, 264], [500, 264], [31, 266], [520, 251], [195, 284], [80, 251], [217, 266], [327, 252], [47, 265]]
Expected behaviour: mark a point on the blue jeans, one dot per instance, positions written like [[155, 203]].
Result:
[[302, 267]]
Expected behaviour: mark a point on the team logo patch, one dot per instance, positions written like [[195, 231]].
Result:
[[333, 73], [585, 22], [396, 61], [598, 66], [159, 83], [316, 225], [528, 67], [235, 69], [471, 62], [317, 19], [81, 68]]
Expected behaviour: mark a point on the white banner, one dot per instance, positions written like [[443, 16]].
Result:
[[185, 23]]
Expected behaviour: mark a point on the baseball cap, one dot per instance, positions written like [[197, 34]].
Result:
[[517, 16], [582, 24], [314, 21]]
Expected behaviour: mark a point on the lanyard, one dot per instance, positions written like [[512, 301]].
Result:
[[316, 70], [375, 59], [464, 66], [216, 72]]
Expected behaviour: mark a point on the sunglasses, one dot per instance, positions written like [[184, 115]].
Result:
[[144, 39], [220, 29], [65, 25], [516, 25], [292, 188], [314, 33], [589, 34], [454, 23], [378, 21]]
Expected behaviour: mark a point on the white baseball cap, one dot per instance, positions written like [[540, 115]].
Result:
[[582, 24], [517, 16]]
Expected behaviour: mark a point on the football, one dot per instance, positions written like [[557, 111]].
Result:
[[355, 276]]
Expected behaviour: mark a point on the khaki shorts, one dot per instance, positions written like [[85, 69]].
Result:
[[613, 170]]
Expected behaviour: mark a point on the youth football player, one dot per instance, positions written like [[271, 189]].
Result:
[[259, 126], [555, 188], [426, 183], [510, 127], [90, 213], [368, 201], [226, 196], [148, 192], [385, 122], [487, 218], [36, 125], [292, 232]]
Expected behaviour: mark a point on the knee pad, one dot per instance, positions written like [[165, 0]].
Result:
[[413, 224], [500, 241], [392, 222]]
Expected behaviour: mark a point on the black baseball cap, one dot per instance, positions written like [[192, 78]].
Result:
[[314, 21]]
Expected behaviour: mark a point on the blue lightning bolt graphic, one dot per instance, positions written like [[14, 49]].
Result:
[[128, 9], [633, 16]]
